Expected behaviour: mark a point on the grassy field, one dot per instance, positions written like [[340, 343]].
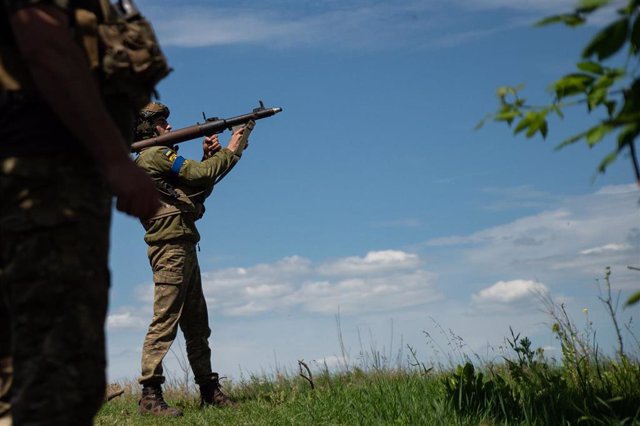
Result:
[[503, 395], [348, 399], [523, 388]]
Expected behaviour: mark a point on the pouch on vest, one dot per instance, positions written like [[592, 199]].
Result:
[[171, 206], [121, 49], [124, 49]]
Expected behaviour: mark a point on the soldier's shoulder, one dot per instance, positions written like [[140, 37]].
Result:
[[158, 151], [156, 157]]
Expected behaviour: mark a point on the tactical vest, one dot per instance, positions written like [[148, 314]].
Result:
[[120, 46], [176, 200]]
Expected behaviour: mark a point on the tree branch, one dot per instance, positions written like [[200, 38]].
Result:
[[308, 377], [634, 161]]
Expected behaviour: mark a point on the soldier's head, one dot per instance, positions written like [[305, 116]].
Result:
[[152, 121]]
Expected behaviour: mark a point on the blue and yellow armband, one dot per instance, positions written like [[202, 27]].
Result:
[[176, 160]]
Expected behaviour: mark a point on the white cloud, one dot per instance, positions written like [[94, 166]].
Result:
[[348, 24], [509, 292], [366, 295], [266, 290], [379, 281], [249, 308], [373, 262], [125, 320], [352, 25], [571, 239], [607, 248]]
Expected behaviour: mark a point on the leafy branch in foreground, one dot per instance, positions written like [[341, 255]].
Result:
[[611, 93]]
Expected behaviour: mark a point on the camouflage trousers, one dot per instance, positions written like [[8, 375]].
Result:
[[54, 281], [178, 302]]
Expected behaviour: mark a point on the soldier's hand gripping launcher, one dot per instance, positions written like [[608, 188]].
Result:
[[210, 127]]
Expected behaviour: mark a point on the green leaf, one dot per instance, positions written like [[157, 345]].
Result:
[[608, 41], [606, 81], [611, 107], [595, 134], [507, 116], [628, 134], [592, 4], [569, 19], [635, 298], [538, 124], [480, 124], [626, 118], [572, 84], [524, 123], [616, 73], [569, 141], [606, 162], [533, 122], [544, 129], [597, 97], [534, 127], [592, 67], [630, 111]]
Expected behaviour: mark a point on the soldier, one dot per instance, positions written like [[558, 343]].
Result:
[[61, 157], [172, 236]]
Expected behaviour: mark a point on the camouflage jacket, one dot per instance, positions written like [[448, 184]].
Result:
[[183, 185]]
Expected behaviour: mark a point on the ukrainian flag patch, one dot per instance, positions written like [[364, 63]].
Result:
[[170, 154]]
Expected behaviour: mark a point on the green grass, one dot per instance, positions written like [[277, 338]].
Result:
[[524, 388], [355, 398], [504, 394]]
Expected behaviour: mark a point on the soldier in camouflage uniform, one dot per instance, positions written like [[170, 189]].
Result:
[[61, 157], [172, 237]]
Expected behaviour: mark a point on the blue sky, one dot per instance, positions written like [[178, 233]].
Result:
[[371, 196]]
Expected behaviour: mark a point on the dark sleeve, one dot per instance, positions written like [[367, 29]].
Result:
[[13, 5], [6, 35]]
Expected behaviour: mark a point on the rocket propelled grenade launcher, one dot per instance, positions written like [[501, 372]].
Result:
[[210, 127]]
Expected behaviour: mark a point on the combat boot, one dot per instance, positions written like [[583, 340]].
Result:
[[152, 402], [211, 394]]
